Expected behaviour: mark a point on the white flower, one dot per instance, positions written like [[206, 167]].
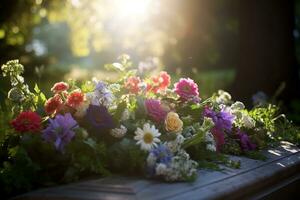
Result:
[[237, 106], [92, 98], [125, 115], [209, 137], [118, 132], [223, 97], [211, 143], [248, 121], [175, 145], [211, 147], [181, 168], [151, 160], [161, 169], [147, 137], [101, 94]]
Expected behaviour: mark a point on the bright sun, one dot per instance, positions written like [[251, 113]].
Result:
[[133, 9]]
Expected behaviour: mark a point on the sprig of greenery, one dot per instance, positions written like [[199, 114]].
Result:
[[200, 133]]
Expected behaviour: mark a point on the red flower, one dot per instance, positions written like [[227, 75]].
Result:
[[75, 99], [159, 83], [60, 87], [132, 84], [27, 121], [54, 104]]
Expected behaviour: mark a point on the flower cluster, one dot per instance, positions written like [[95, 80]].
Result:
[[172, 167], [167, 128]]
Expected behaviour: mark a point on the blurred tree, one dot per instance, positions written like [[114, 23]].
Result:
[[17, 20], [266, 49], [208, 39]]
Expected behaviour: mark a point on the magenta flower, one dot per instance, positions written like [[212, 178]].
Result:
[[245, 143], [155, 110], [187, 89], [219, 137], [223, 122]]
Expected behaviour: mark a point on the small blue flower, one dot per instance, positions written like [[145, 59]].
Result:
[[163, 154]]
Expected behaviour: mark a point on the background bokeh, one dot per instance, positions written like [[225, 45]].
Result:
[[240, 46]]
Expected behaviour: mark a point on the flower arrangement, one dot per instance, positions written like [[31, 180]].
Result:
[[137, 125]]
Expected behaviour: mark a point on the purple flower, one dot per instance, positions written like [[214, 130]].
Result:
[[100, 85], [60, 130], [259, 98], [223, 120], [187, 89], [162, 154], [155, 110], [246, 144], [99, 117]]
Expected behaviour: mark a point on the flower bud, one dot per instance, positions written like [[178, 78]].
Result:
[[15, 95]]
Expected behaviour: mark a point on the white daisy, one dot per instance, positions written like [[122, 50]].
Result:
[[118, 132], [147, 137]]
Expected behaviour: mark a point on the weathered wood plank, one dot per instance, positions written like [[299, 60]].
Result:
[[255, 179]]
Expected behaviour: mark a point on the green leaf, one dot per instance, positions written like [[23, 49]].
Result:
[[90, 142], [88, 86], [37, 89], [119, 111]]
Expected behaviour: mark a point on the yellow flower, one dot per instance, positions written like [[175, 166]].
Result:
[[173, 123]]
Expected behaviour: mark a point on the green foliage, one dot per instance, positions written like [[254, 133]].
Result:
[[39, 99], [257, 155], [265, 116], [211, 160], [87, 86], [18, 172], [20, 94], [200, 133], [87, 158], [276, 126], [231, 146], [14, 70], [126, 157], [286, 131]]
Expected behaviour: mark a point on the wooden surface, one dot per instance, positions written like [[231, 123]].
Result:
[[254, 180]]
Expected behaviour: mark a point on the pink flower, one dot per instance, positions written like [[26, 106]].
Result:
[[219, 137], [187, 89], [53, 104], [155, 110], [159, 83], [60, 87], [132, 84], [75, 99]]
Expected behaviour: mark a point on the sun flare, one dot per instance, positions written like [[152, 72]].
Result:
[[133, 8]]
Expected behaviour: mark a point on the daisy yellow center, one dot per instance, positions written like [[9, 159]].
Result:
[[148, 138]]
